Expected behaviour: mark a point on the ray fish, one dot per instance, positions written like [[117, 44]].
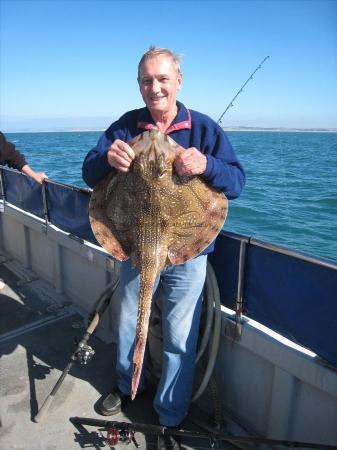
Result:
[[155, 217]]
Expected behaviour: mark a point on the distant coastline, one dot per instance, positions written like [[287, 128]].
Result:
[[238, 128], [58, 130], [281, 129]]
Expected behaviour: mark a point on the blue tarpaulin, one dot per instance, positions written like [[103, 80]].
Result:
[[66, 206], [294, 297], [68, 210], [23, 192], [289, 294]]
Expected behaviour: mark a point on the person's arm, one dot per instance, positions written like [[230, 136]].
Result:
[[39, 177], [95, 165], [216, 163], [111, 151], [13, 158], [223, 169], [9, 155]]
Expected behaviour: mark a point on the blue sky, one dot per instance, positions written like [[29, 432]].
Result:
[[73, 63]]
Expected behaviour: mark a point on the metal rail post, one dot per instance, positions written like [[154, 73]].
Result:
[[240, 289], [45, 205], [2, 192]]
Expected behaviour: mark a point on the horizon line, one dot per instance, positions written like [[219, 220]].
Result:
[[225, 128]]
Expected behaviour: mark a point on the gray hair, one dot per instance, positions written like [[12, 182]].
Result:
[[157, 51]]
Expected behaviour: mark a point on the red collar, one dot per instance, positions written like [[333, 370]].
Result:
[[183, 124]]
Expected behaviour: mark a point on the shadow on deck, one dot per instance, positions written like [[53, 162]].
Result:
[[38, 328]]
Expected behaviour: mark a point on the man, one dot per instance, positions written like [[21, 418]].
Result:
[[208, 154], [13, 158]]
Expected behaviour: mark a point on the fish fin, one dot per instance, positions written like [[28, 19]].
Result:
[[196, 226], [100, 222]]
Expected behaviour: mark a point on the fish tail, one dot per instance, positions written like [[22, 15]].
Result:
[[138, 357], [144, 309]]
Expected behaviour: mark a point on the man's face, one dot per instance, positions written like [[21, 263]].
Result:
[[159, 81]]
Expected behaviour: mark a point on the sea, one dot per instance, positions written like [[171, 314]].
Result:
[[290, 197]]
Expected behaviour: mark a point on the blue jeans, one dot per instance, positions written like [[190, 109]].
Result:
[[182, 299]]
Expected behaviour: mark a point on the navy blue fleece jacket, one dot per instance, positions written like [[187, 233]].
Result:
[[189, 129]]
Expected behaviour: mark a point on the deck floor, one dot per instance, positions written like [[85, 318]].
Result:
[[37, 332]]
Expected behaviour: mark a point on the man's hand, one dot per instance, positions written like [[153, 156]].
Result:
[[120, 155], [190, 162], [39, 177]]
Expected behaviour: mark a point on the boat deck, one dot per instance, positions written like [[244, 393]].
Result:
[[38, 328]]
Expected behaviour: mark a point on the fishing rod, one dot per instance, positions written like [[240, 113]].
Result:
[[83, 352], [241, 89], [124, 432]]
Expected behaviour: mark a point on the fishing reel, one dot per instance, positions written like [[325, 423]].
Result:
[[84, 354], [120, 435]]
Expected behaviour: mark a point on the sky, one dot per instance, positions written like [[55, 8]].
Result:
[[73, 64]]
